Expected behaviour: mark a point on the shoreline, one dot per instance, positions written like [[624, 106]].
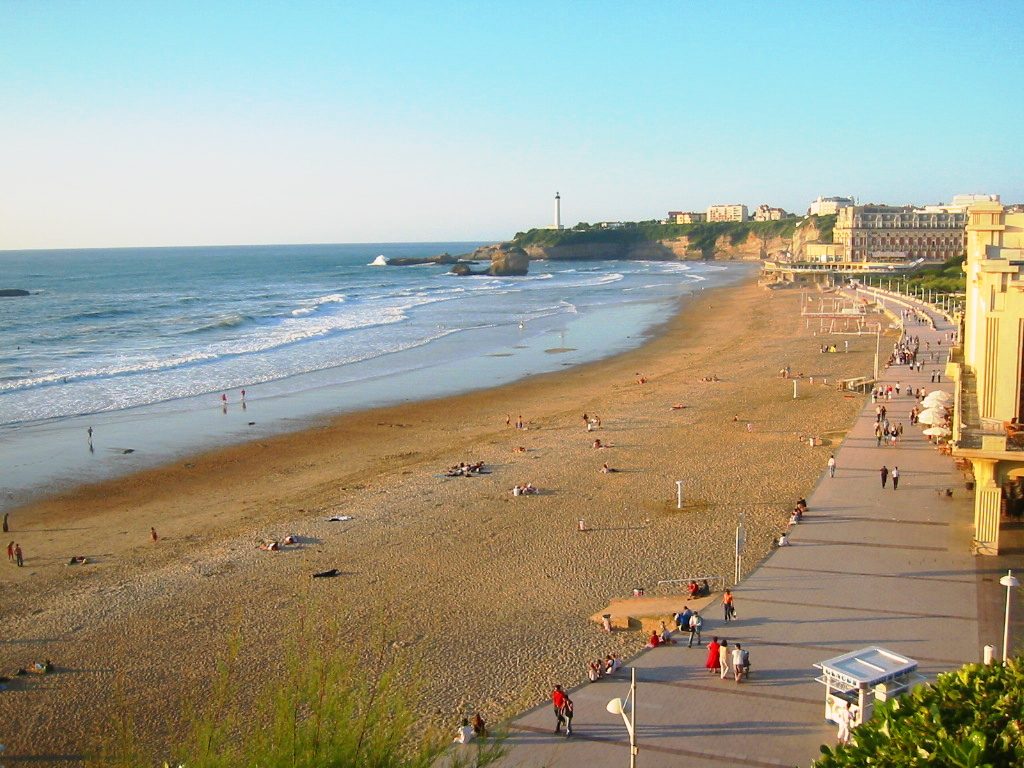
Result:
[[148, 436], [450, 567]]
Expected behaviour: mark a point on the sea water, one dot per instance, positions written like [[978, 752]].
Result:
[[152, 347]]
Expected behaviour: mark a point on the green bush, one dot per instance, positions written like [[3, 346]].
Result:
[[325, 709], [970, 718]]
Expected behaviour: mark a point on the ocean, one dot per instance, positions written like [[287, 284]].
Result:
[[147, 345]]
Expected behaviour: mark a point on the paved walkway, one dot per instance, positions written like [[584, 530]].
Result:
[[868, 566]]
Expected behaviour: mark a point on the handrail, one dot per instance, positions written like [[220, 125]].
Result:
[[710, 579]]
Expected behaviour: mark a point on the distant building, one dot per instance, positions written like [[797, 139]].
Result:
[[988, 370], [765, 212], [729, 212], [686, 217], [610, 224], [964, 201], [900, 233], [828, 206]]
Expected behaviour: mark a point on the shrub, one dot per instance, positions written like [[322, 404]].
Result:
[[970, 718]]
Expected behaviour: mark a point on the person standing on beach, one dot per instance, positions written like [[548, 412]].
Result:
[[18, 557], [10, 552], [895, 478], [884, 473], [723, 659], [152, 534], [6, 527], [832, 465]]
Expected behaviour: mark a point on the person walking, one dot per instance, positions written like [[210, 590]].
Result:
[[712, 664], [18, 558], [884, 473], [740, 662], [727, 606], [558, 699], [832, 465], [567, 710], [152, 534], [10, 552], [696, 623], [723, 659], [895, 478]]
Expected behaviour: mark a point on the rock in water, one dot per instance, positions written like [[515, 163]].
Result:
[[506, 259], [14, 292]]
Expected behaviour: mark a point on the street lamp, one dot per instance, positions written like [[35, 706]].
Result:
[[1009, 581], [619, 707]]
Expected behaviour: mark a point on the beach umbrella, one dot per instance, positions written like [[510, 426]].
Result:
[[937, 397], [937, 431], [931, 416]]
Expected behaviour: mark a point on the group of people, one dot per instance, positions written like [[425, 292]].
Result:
[[462, 469], [690, 621], [471, 729], [698, 590], [15, 555], [524, 490], [599, 668], [888, 433], [720, 656]]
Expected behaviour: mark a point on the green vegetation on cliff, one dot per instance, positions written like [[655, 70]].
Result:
[[701, 237], [825, 225]]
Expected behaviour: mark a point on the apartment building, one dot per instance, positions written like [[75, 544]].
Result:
[[686, 217], [765, 212], [827, 206], [729, 212]]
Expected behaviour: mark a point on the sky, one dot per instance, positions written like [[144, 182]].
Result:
[[158, 123]]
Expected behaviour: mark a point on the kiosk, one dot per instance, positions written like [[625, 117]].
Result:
[[862, 678]]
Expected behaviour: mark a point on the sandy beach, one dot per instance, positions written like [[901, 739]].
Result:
[[490, 593]]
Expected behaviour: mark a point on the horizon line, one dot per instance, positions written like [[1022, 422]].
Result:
[[234, 245]]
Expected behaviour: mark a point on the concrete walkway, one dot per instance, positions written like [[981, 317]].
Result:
[[868, 566]]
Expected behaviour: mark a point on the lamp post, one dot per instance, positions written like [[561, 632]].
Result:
[[1009, 581], [878, 328], [628, 711]]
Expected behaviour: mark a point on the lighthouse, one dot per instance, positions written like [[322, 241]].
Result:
[[558, 211]]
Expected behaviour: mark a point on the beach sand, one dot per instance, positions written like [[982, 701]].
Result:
[[490, 593]]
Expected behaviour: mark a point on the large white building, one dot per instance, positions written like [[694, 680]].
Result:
[[828, 206]]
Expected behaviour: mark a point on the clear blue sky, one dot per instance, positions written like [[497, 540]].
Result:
[[142, 123]]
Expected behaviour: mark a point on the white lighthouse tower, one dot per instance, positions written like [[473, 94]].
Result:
[[558, 211]]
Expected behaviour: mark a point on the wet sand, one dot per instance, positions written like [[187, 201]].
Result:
[[489, 592]]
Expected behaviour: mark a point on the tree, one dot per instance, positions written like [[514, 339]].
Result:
[[969, 718]]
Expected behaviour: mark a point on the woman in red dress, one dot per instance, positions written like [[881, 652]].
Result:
[[712, 663]]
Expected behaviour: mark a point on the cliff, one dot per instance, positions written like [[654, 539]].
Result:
[[726, 241]]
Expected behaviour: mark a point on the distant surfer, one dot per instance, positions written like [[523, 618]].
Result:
[[89, 431]]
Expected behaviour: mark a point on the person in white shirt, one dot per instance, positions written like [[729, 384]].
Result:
[[465, 733]]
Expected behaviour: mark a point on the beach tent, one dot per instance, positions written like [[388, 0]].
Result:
[[937, 432]]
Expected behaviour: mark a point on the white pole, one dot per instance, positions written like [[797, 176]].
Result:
[[633, 749], [877, 338], [679, 494], [1009, 581]]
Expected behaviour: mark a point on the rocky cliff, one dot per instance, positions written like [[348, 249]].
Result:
[[740, 242]]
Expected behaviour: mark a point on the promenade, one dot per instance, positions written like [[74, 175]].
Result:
[[867, 566]]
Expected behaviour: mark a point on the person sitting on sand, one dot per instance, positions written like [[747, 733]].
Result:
[[597, 443], [516, 490], [666, 635], [530, 488], [41, 667], [705, 589], [270, 546], [801, 504], [605, 469], [479, 726], [289, 539], [464, 734], [519, 449], [653, 641], [693, 589], [594, 671], [784, 540]]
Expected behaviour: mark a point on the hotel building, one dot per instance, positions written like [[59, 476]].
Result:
[[686, 217], [987, 369], [884, 233], [828, 206], [767, 213]]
